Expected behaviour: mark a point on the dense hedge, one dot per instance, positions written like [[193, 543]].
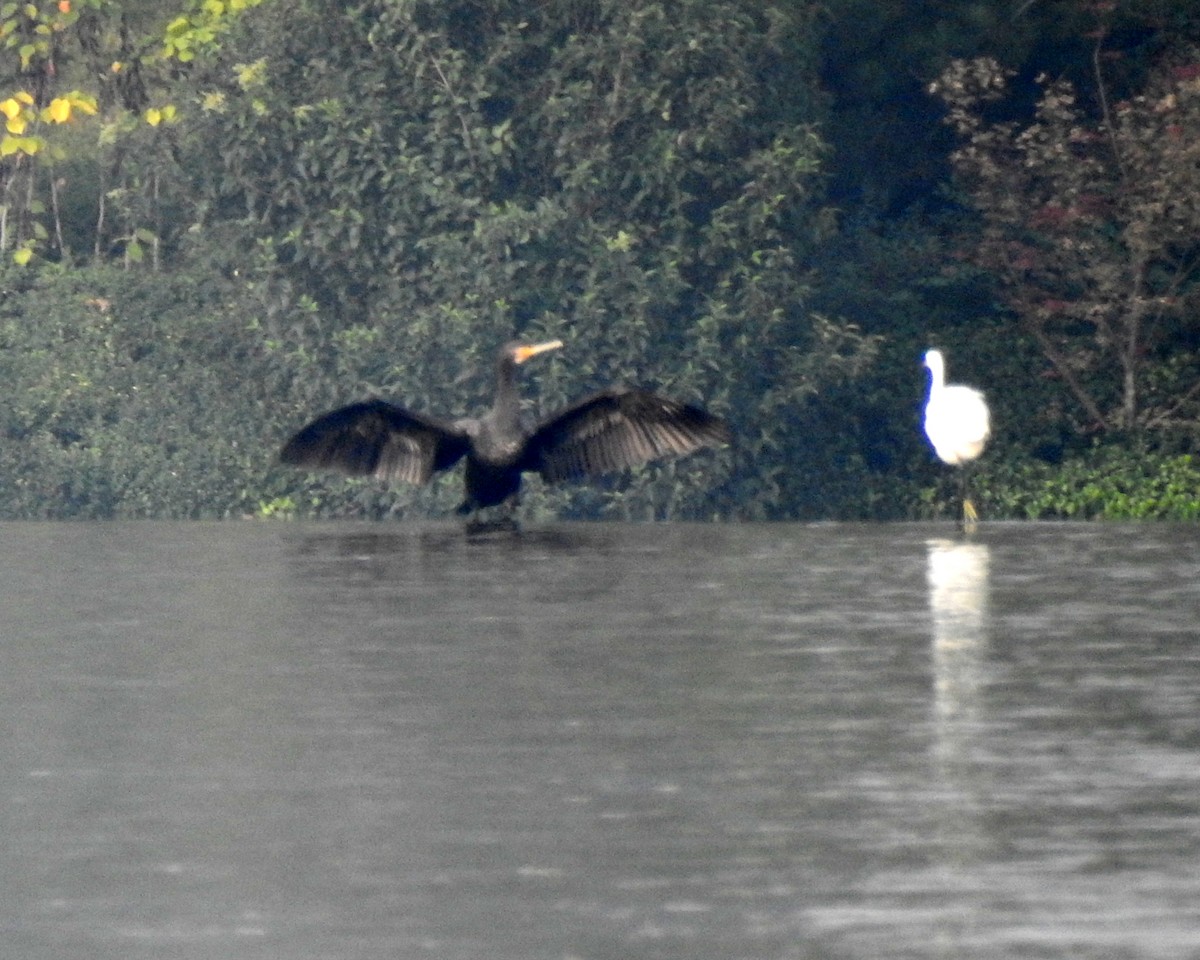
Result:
[[129, 396]]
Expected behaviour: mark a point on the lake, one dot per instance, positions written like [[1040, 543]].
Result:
[[599, 741]]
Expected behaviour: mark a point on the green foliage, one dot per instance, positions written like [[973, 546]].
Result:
[[1108, 483], [640, 180], [316, 201], [120, 63], [198, 28], [117, 398]]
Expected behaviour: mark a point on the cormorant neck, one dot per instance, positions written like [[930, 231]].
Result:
[[506, 404]]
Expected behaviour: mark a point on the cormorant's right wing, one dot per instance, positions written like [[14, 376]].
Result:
[[379, 438]]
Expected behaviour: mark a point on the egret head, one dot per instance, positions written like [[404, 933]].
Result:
[[935, 363]]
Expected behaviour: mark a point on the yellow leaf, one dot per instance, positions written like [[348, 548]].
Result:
[[16, 125], [27, 145], [10, 108], [154, 116], [84, 102], [25, 97], [23, 256], [59, 110]]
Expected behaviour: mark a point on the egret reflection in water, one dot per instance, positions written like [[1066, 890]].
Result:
[[958, 602], [957, 575]]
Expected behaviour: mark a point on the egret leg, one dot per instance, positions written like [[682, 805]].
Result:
[[970, 517]]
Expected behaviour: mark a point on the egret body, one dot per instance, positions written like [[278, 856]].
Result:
[[957, 423]]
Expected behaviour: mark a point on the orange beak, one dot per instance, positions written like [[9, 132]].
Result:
[[527, 350]]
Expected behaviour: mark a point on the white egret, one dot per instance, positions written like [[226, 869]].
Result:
[[957, 424]]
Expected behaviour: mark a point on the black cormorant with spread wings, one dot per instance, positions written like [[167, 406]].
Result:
[[609, 430]]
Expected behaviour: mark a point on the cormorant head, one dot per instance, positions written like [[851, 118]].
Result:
[[520, 352]]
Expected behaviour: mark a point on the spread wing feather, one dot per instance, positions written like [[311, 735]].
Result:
[[378, 438], [618, 428]]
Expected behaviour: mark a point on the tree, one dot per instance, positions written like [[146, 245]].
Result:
[[433, 178], [1089, 222], [119, 62]]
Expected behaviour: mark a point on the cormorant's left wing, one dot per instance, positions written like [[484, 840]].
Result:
[[618, 428]]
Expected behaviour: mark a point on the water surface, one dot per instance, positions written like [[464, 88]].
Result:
[[599, 741]]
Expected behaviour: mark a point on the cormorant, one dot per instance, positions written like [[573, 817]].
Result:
[[614, 428]]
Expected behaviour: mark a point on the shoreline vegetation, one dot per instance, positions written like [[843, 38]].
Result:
[[221, 218]]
